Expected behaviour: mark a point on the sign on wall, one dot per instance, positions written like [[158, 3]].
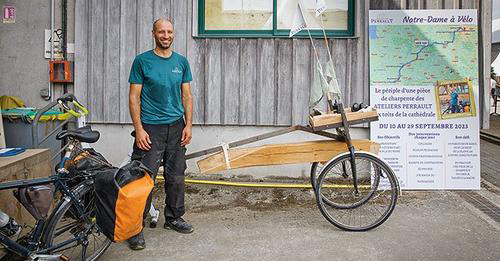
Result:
[[9, 14], [424, 83], [57, 38]]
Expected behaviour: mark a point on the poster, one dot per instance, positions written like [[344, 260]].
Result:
[[424, 84], [9, 14]]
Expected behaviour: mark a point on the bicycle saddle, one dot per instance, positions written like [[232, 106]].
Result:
[[83, 134]]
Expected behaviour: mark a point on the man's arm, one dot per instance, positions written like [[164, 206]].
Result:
[[141, 136], [187, 102]]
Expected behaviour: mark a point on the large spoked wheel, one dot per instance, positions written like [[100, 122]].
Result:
[[361, 203], [316, 168], [66, 224]]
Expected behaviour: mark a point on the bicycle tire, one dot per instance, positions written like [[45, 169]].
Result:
[[375, 200], [316, 168], [315, 174], [63, 225]]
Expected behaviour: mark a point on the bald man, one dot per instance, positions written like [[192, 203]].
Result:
[[161, 104]]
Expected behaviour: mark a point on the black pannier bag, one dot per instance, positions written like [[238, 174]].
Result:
[[87, 161], [36, 199], [121, 197]]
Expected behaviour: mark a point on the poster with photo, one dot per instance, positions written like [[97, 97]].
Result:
[[424, 83]]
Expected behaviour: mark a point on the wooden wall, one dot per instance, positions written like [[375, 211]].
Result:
[[241, 81]]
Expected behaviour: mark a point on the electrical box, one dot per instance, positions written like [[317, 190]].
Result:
[[61, 71]]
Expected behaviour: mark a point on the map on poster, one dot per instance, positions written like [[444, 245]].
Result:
[[424, 84], [421, 54]]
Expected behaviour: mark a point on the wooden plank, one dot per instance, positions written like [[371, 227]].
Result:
[[434, 4], [365, 71], [278, 154], [378, 4], [81, 50], [301, 81], [248, 82], [416, 4], [161, 9], [394, 4], [357, 83], [231, 81], [329, 119], [145, 40], [180, 19], [111, 86], [196, 57], [339, 52], [96, 93], [128, 50], [451, 4], [213, 81], [469, 4], [265, 81], [284, 81]]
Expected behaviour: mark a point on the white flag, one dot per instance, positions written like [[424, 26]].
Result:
[[331, 78], [299, 22], [320, 7], [325, 81]]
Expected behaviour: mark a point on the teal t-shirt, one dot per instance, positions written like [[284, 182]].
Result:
[[161, 80]]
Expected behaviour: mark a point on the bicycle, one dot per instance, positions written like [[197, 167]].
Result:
[[70, 231], [356, 190]]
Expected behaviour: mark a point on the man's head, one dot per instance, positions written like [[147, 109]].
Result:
[[163, 32]]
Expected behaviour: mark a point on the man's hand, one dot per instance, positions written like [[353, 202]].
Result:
[[186, 136], [142, 139]]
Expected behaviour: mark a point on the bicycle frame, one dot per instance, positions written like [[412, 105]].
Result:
[[34, 240]]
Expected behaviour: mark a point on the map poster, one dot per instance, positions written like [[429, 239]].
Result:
[[424, 84]]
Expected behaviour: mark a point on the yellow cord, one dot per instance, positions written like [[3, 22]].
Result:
[[260, 185]]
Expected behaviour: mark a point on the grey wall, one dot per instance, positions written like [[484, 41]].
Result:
[[23, 68]]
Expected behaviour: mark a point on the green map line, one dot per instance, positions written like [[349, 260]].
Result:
[[460, 29]]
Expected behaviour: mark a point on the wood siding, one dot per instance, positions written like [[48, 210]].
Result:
[[241, 81]]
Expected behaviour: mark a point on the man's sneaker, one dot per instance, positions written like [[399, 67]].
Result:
[[179, 225], [137, 242]]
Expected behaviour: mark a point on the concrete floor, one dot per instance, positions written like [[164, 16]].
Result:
[[285, 224]]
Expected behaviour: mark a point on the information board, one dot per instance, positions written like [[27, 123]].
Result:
[[424, 84]]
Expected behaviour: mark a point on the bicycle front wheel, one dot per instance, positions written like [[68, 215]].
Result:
[[357, 202], [72, 234]]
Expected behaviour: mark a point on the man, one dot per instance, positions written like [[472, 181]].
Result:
[[160, 104], [454, 100]]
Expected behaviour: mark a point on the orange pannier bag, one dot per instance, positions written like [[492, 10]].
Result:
[[122, 194]]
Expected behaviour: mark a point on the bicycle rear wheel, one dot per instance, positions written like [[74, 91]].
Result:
[[66, 224], [361, 203]]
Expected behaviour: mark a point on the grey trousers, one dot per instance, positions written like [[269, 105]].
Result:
[[166, 149]]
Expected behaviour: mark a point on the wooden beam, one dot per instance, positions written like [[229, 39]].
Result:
[[332, 119], [277, 154]]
